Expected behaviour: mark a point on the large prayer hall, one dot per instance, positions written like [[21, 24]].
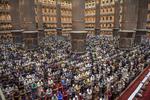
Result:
[[74, 49]]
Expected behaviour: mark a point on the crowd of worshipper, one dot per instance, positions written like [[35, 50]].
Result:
[[53, 72]]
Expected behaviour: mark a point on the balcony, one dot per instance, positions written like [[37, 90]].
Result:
[[89, 7], [90, 15], [108, 13], [107, 5], [49, 14], [66, 22], [49, 5], [66, 7], [66, 15], [4, 10], [5, 31], [5, 21], [89, 22], [110, 21], [50, 22]]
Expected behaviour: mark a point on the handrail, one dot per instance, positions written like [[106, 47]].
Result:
[[139, 87], [2, 95]]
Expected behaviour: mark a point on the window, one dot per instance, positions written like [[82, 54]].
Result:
[[106, 17], [110, 17], [110, 9], [106, 10], [107, 1]]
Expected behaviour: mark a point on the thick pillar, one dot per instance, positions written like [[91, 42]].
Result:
[[58, 17], [126, 40], [29, 24], [97, 17], [142, 21], [78, 35], [130, 14], [30, 39], [129, 23], [41, 34], [116, 18], [16, 21]]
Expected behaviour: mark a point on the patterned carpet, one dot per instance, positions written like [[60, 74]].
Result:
[[126, 94], [146, 94]]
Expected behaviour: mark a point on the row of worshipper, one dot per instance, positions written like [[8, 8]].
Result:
[[52, 72]]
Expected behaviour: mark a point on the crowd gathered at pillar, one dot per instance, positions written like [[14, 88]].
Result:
[[53, 72]]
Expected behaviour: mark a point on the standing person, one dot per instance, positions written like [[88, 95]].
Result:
[[108, 93], [16, 95], [49, 93], [23, 95], [96, 92], [60, 96], [65, 95], [89, 93], [54, 97]]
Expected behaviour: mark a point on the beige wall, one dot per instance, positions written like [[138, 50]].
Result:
[[49, 15]]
